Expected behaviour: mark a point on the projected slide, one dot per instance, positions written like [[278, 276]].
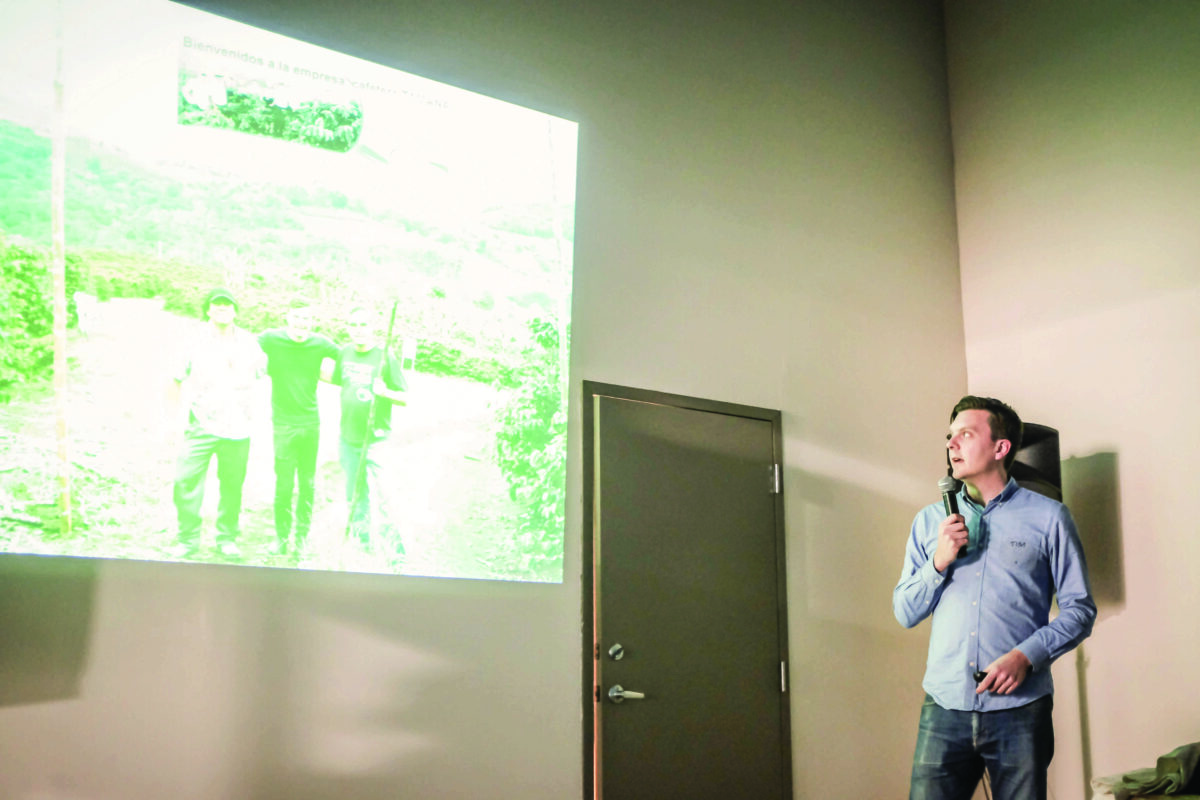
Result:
[[316, 309]]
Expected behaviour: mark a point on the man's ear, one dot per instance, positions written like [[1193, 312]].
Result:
[[1002, 448]]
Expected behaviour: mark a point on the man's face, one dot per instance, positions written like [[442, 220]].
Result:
[[299, 323], [360, 328], [221, 311], [972, 450]]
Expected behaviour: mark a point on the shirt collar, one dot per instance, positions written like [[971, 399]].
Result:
[[1007, 492]]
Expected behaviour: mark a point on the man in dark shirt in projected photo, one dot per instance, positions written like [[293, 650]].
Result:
[[295, 355], [987, 574], [371, 383]]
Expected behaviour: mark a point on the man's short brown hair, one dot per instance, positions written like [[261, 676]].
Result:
[[1003, 421]]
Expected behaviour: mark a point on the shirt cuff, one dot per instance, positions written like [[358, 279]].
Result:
[[1036, 652]]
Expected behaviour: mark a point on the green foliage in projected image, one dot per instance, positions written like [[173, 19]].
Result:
[[205, 100], [531, 449], [27, 313], [25, 176]]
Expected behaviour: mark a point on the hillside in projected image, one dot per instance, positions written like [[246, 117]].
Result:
[[201, 153]]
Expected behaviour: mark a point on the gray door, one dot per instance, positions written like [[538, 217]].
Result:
[[688, 585]]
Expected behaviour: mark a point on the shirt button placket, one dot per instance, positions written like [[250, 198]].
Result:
[[976, 617]]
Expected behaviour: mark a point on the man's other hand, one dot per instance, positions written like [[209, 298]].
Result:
[[1005, 674]]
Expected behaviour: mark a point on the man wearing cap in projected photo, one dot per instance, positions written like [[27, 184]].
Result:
[[217, 381], [986, 563], [295, 359], [371, 383]]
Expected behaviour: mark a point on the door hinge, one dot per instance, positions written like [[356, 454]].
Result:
[[783, 676], [776, 479]]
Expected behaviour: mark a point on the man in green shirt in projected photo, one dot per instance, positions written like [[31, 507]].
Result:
[[371, 383], [295, 355]]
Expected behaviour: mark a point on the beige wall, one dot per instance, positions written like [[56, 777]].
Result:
[[765, 216], [1078, 186]]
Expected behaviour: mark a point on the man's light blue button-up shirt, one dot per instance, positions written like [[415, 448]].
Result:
[[1023, 550]]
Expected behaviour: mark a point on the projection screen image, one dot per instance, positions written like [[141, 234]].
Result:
[[313, 312]]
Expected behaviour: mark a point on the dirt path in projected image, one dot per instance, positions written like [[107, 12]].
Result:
[[451, 500]]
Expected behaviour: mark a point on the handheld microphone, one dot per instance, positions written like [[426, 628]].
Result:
[[949, 489]]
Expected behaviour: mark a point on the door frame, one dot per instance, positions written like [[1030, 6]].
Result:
[[589, 604]]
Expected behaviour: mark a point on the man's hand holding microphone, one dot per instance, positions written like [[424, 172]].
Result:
[[952, 533]]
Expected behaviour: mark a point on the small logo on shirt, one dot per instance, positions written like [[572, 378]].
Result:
[[1017, 544]]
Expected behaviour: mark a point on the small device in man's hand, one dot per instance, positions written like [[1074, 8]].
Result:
[[980, 675]]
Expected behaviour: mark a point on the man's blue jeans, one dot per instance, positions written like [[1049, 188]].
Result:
[[954, 747]]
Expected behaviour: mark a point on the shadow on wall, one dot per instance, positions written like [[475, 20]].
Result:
[[845, 547], [45, 619], [1091, 491], [362, 687]]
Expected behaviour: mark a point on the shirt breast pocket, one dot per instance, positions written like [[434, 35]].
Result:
[[1019, 550]]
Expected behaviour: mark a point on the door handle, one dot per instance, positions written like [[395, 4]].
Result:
[[617, 694]]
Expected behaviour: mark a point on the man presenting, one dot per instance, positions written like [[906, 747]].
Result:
[[294, 360], [988, 576]]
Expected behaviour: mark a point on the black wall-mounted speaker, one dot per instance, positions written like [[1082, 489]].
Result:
[[1038, 466]]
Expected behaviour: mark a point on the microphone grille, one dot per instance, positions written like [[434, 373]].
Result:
[[947, 484]]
